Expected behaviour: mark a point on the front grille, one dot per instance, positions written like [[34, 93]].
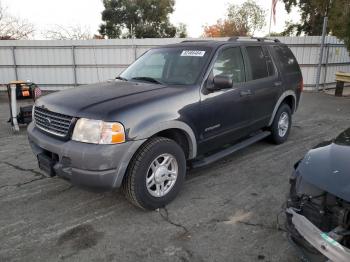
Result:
[[51, 122]]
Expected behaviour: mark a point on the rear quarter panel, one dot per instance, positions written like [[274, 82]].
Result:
[[291, 78]]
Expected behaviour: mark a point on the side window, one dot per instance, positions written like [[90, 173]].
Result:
[[286, 58], [230, 63], [258, 62]]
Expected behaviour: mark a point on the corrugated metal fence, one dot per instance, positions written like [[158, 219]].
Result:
[[55, 65]]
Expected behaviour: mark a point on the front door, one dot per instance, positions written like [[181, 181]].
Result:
[[225, 113]]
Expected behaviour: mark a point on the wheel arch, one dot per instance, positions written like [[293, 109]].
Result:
[[289, 97], [178, 131]]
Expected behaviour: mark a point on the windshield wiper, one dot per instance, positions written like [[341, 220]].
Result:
[[147, 79], [121, 78]]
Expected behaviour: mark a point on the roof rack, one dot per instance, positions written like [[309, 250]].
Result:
[[259, 39]]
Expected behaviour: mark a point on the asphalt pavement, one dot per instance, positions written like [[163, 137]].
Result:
[[228, 211]]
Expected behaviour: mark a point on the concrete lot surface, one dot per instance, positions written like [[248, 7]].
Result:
[[225, 212]]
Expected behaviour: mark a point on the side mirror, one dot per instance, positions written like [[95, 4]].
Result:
[[222, 82]]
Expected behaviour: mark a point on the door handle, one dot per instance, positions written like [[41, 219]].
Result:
[[278, 83], [245, 92]]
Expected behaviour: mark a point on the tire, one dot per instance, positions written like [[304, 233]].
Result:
[[279, 134], [155, 151]]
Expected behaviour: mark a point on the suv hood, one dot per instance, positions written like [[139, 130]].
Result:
[[97, 100], [328, 166]]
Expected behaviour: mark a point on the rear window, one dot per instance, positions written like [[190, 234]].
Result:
[[287, 59], [258, 62]]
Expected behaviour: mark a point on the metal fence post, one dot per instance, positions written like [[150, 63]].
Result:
[[14, 61], [324, 31], [326, 67], [74, 66], [135, 52]]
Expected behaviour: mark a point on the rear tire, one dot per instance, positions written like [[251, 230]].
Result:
[[281, 124], [155, 174]]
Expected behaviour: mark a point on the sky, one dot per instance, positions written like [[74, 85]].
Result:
[[45, 14]]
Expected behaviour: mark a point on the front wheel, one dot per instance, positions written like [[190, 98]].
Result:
[[281, 124], [155, 174]]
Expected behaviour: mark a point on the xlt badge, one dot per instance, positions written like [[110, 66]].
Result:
[[212, 127]]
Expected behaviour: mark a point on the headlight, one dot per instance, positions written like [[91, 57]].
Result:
[[98, 132]]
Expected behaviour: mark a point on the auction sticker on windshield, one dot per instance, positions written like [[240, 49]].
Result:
[[192, 53]]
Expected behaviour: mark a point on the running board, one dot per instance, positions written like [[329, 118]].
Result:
[[228, 151]]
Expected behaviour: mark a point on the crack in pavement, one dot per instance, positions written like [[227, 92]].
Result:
[[24, 183], [166, 218], [65, 189], [36, 173]]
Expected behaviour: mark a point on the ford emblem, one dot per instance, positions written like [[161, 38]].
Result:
[[47, 121]]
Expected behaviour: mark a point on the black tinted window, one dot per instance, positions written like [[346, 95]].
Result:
[[286, 58], [258, 62], [230, 63]]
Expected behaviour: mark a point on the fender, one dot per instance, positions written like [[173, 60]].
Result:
[[173, 124], [279, 102]]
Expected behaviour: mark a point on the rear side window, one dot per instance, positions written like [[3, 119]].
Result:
[[258, 62], [287, 59]]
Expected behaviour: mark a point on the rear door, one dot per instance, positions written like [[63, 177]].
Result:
[[264, 82]]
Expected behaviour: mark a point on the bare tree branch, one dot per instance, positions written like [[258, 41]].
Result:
[[68, 33], [13, 28]]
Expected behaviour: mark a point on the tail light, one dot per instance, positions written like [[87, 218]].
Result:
[[301, 85]]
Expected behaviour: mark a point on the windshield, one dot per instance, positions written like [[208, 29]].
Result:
[[172, 66]]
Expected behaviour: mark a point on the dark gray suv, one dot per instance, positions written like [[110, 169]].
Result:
[[177, 106]]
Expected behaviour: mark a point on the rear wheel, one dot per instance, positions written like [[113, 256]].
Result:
[[156, 173], [281, 124]]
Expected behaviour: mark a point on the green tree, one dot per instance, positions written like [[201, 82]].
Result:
[[312, 14], [339, 20], [137, 18], [181, 30]]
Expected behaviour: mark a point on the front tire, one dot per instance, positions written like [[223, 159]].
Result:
[[281, 124], [155, 174]]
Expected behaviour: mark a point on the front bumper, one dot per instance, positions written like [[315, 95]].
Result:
[[90, 165], [327, 246]]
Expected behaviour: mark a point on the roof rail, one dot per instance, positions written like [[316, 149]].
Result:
[[193, 41], [259, 39]]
